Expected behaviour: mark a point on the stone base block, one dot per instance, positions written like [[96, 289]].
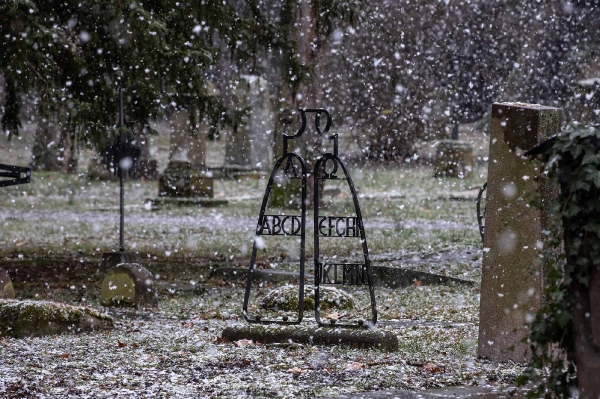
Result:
[[357, 338], [147, 169], [129, 285], [180, 180], [112, 259], [6, 287], [97, 171], [168, 202], [454, 159]]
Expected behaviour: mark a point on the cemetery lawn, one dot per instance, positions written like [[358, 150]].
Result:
[[54, 231]]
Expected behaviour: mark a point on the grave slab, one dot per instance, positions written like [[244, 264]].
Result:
[[19, 319], [511, 273], [354, 337]]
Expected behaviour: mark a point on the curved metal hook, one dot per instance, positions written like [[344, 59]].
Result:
[[319, 111], [302, 127]]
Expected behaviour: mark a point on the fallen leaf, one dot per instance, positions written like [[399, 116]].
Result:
[[243, 342], [134, 345], [417, 283], [220, 340], [333, 316], [121, 344], [65, 355], [432, 368], [296, 370], [354, 366]]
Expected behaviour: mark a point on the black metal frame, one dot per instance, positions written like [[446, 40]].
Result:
[[480, 212], [14, 173], [119, 147], [351, 273]]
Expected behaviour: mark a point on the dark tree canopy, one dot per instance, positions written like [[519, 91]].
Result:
[[75, 54]]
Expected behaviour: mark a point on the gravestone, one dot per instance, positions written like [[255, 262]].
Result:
[[512, 279], [246, 149], [454, 158], [186, 180], [129, 285]]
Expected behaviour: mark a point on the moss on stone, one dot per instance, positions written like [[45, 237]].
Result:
[[38, 318], [118, 289], [286, 298]]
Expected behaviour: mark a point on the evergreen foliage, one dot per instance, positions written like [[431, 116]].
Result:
[[573, 163], [75, 54]]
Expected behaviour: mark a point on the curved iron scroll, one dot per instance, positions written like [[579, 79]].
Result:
[[480, 211]]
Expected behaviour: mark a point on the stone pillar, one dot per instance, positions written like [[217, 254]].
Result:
[[512, 280], [248, 148]]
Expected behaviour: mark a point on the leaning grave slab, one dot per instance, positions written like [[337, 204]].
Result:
[[327, 270], [510, 292]]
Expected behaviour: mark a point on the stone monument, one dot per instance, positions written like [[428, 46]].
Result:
[[245, 149], [186, 180], [511, 285]]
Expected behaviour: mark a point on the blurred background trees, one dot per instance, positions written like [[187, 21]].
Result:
[[395, 72]]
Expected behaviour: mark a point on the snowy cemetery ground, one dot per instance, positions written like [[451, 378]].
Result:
[[55, 230]]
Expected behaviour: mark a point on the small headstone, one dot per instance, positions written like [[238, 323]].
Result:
[[6, 286], [129, 285], [97, 170], [180, 180], [454, 159], [510, 292], [19, 319]]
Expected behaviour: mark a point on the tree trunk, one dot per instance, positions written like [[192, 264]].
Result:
[[54, 147]]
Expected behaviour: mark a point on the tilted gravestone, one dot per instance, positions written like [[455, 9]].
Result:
[[512, 277]]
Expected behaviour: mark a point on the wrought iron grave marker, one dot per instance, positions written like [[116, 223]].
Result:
[[328, 167], [121, 156]]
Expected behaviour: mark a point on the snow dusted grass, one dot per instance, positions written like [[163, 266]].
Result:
[[405, 210], [176, 352]]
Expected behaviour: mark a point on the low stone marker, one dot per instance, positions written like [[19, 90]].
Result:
[[510, 292], [129, 285], [454, 158], [6, 287], [19, 319]]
